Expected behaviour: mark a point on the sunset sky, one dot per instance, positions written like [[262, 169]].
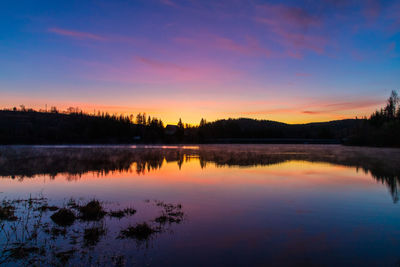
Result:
[[290, 61]]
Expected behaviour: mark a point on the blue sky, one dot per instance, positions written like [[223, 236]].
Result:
[[293, 61]]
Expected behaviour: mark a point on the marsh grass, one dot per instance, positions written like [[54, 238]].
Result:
[[7, 212], [122, 213], [92, 211], [93, 234], [140, 232], [35, 233], [170, 213], [64, 217], [65, 256]]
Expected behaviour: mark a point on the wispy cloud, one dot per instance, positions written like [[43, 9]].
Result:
[[391, 50], [324, 108], [169, 3], [294, 17], [250, 46], [338, 107], [372, 9], [76, 34], [311, 112], [159, 64], [292, 28], [303, 74]]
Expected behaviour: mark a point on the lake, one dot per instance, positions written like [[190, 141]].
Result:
[[206, 205]]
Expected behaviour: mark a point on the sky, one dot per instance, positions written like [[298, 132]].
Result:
[[290, 61]]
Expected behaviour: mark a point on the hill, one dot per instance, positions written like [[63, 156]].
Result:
[[250, 129], [32, 127]]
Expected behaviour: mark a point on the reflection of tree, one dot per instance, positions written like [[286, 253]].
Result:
[[22, 162]]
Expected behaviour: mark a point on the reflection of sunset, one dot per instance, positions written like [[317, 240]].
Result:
[[290, 176], [261, 170], [242, 199]]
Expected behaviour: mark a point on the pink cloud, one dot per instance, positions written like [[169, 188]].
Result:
[[76, 34], [392, 47], [371, 9], [352, 104], [159, 65], [292, 28], [391, 50], [169, 3], [249, 47], [293, 41], [271, 111], [311, 112], [199, 72], [303, 74], [293, 17], [143, 70], [321, 108]]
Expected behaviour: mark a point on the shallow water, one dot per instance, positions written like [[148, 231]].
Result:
[[242, 204]]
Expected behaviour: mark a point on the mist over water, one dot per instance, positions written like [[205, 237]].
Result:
[[240, 204]]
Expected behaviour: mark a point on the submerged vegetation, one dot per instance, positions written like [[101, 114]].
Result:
[[7, 212], [122, 213], [92, 211], [63, 217], [32, 234], [142, 231]]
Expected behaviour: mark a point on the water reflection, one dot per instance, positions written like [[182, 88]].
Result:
[[27, 162], [243, 205]]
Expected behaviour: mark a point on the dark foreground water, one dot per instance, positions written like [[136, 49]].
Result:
[[232, 205]]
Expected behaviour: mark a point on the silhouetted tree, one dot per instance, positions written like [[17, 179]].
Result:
[[53, 110], [383, 127], [203, 122], [391, 105]]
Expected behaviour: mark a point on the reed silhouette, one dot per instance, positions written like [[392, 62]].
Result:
[[33, 235]]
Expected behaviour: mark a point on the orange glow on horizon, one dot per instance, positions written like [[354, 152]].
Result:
[[192, 112]]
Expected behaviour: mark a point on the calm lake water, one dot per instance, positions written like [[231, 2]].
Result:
[[234, 205]]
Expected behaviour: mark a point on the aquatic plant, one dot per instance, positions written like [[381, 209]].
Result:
[[92, 235], [7, 212], [141, 231], [45, 235], [171, 213], [122, 213], [46, 207], [92, 211], [65, 256], [63, 217]]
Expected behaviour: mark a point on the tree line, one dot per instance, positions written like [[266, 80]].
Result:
[[382, 128], [73, 126]]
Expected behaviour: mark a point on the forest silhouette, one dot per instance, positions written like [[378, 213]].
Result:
[[73, 126]]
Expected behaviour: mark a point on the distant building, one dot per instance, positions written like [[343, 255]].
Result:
[[171, 129]]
